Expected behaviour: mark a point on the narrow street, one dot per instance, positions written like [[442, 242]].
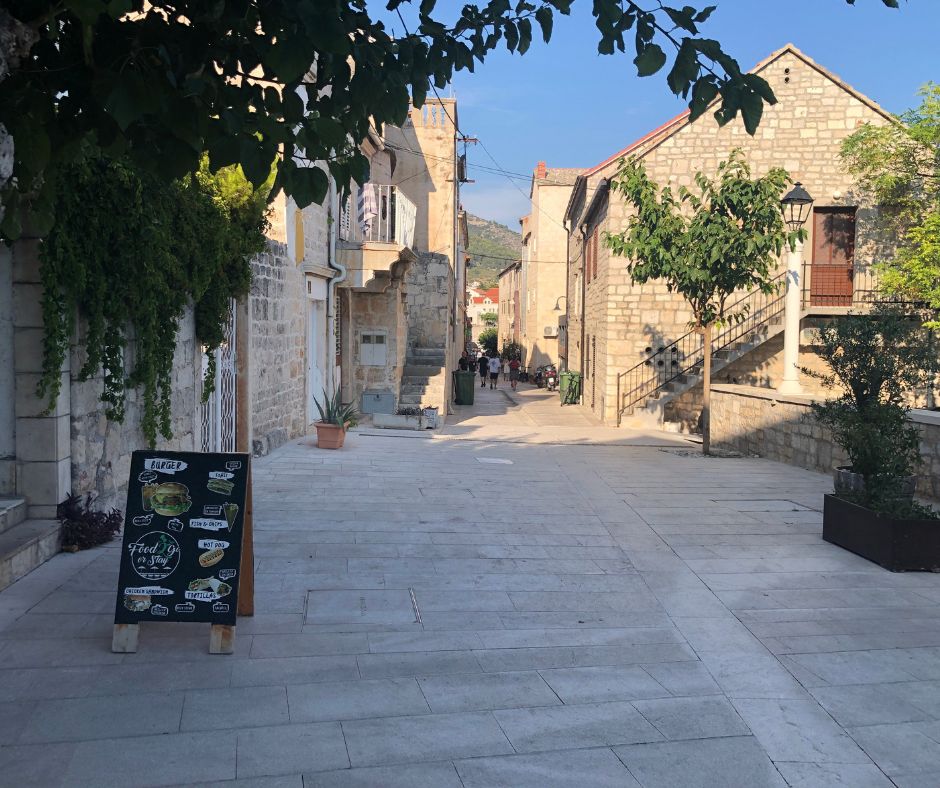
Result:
[[521, 599]]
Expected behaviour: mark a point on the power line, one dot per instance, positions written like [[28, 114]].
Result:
[[509, 178]]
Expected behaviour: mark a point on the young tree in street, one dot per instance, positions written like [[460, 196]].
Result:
[[899, 164], [276, 82], [706, 245], [489, 341], [489, 318]]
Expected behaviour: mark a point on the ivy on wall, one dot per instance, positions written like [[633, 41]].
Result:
[[129, 253]]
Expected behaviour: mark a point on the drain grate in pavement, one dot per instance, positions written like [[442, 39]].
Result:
[[367, 606], [494, 461]]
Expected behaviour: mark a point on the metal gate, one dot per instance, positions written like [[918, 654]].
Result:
[[218, 414]]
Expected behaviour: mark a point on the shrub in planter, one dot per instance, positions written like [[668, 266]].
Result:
[[877, 360], [84, 527], [335, 418]]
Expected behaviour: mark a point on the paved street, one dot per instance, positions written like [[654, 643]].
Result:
[[525, 599]]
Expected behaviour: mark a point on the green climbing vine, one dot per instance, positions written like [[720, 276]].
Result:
[[129, 253]]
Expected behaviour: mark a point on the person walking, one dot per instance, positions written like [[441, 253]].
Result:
[[505, 369], [484, 364], [495, 365], [464, 362], [514, 373]]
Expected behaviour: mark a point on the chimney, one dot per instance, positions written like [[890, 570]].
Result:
[[540, 170]]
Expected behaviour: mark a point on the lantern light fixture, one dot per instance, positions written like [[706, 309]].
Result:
[[796, 206]]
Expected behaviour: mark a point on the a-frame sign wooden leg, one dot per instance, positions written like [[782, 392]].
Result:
[[221, 639], [246, 572], [124, 639]]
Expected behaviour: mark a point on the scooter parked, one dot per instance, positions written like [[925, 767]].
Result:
[[550, 375]]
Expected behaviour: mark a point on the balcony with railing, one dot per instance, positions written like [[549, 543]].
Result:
[[376, 235]]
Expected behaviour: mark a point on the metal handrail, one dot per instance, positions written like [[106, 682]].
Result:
[[687, 353]]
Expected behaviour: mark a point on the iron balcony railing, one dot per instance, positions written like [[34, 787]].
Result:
[[686, 356], [380, 213], [825, 286]]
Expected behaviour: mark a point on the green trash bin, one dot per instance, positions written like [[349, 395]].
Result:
[[569, 387], [464, 386]]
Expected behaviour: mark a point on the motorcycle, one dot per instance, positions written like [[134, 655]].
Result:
[[546, 376], [551, 377]]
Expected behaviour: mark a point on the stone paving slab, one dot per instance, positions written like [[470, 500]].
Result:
[[593, 628]]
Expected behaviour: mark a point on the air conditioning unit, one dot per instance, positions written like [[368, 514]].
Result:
[[551, 331]]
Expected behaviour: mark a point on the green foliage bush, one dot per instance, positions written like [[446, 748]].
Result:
[[489, 340], [129, 253], [877, 360]]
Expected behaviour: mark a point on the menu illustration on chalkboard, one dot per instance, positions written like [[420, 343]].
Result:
[[183, 530]]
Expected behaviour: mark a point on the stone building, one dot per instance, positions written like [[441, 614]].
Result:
[[331, 306], [509, 324], [632, 342], [544, 264], [401, 302], [480, 303], [260, 399]]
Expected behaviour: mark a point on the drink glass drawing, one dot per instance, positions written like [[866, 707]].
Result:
[[231, 512], [146, 493]]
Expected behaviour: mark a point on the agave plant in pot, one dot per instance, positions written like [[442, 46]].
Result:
[[335, 418], [877, 361]]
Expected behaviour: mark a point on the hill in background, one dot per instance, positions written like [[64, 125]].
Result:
[[493, 246]]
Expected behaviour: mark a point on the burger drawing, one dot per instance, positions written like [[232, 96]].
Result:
[[171, 499]]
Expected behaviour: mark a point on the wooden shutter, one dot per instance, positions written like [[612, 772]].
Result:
[[594, 254], [587, 259]]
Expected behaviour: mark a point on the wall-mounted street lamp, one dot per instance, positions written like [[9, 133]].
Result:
[[558, 303], [796, 207]]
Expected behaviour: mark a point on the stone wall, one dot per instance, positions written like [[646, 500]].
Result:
[[277, 351], [101, 449], [7, 414], [372, 312], [762, 368], [429, 288], [801, 133], [759, 422]]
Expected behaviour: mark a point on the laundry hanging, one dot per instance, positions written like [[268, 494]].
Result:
[[368, 208]]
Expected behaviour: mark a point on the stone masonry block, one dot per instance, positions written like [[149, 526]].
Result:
[[43, 439], [28, 404], [27, 305]]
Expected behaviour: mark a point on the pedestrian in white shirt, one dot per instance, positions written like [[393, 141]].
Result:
[[495, 365], [505, 369]]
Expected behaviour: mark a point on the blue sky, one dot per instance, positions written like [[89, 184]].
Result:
[[571, 107]]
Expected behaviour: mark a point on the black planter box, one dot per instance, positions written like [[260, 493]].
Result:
[[898, 545]]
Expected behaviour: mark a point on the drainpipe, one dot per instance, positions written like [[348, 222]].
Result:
[[331, 294], [583, 230]]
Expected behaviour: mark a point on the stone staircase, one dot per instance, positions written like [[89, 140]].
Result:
[[644, 390], [423, 381], [24, 544], [652, 412]]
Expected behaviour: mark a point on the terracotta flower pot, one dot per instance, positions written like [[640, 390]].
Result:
[[330, 436]]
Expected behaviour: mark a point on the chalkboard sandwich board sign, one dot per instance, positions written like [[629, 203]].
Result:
[[181, 556]]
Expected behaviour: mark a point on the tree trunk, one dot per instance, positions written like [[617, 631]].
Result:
[[706, 388]]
